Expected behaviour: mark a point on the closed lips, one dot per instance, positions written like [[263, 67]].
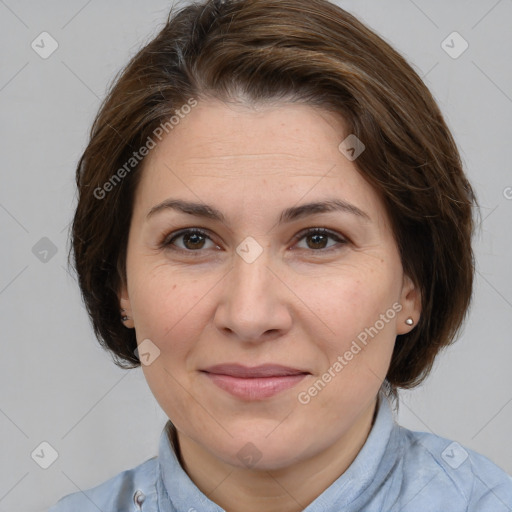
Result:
[[262, 371], [254, 383]]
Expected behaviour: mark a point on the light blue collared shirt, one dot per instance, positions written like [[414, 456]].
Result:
[[397, 470]]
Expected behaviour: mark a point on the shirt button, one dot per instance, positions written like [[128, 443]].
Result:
[[138, 499]]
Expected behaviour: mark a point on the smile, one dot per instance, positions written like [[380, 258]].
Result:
[[256, 383]]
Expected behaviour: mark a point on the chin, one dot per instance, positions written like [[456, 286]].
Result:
[[265, 449]]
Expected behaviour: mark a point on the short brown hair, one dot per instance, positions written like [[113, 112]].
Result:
[[308, 51]]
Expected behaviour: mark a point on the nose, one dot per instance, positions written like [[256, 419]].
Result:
[[254, 304]]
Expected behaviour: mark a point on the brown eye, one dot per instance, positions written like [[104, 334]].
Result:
[[317, 239], [191, 240]]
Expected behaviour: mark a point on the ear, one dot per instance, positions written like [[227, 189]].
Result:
[[126, 315], [410, 299]]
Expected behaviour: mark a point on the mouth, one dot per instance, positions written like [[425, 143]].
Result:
[[254, 383]]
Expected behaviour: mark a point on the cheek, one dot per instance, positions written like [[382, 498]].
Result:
[[171, 311], [171, 390], [167, 306], [357, 357], [344, 305], [358, 312]]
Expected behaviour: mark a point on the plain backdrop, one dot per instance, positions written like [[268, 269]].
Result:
[[58, 386]]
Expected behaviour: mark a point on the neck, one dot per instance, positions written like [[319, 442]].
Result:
[[289, 489]]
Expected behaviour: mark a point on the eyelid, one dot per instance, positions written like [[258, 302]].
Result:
[[166, 241], [339, 238], [322, 231]]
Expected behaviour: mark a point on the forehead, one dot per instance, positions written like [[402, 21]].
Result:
[[277, 152], [223, 132]]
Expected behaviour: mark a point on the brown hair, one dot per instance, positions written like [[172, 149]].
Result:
[[302, 50]]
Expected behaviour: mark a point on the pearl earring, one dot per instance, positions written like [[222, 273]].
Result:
[[409, 321]]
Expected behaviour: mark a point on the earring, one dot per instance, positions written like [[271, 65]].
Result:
[[409, 321], [124, 318]]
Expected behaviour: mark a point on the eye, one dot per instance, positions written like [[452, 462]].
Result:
[[192, 240], [317, 238]]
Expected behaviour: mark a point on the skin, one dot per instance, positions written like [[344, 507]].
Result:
[[301, 303]]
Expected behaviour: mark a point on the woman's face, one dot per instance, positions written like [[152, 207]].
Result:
[[262, 339]]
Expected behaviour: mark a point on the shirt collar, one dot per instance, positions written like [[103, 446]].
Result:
[[354, 488]]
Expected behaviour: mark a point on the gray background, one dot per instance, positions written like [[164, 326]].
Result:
[[57, 385]]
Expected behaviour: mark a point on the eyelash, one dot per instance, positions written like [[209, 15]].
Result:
[[169, 239]]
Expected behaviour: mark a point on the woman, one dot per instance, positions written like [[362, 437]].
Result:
[[274, 222]]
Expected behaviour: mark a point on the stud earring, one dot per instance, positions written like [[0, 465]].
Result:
[[124, 318], [409, 321]]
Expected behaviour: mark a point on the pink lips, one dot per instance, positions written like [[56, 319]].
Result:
[[254, 383]]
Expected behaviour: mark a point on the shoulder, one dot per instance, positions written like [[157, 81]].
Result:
[[116, 494], [444, 470]]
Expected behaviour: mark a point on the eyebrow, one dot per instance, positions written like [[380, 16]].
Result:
[[288, 215]]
